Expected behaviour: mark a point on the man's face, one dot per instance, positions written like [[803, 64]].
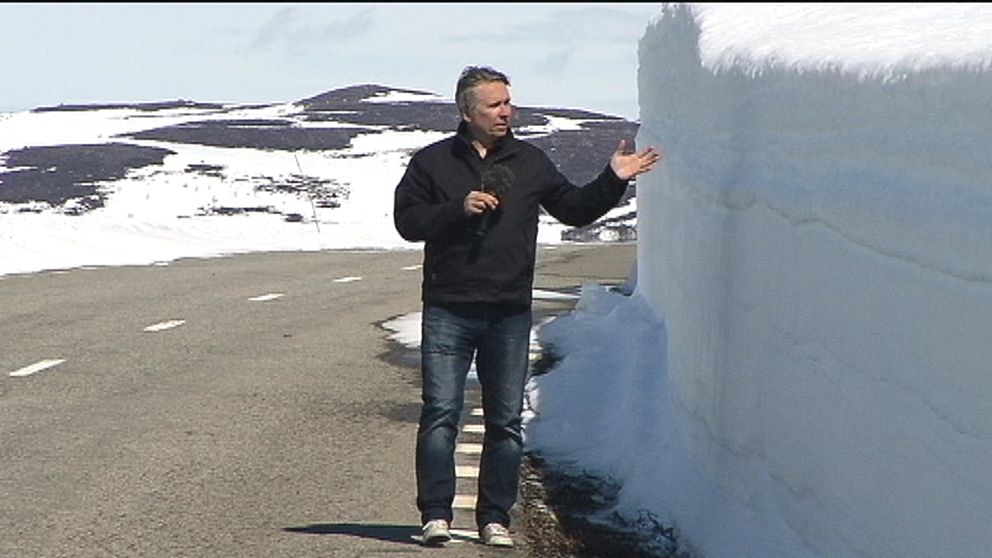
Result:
[[489, 118]]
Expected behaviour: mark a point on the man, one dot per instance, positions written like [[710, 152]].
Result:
[[474, 199]]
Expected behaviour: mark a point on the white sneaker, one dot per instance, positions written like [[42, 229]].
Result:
[[495, 534], [436, 532]]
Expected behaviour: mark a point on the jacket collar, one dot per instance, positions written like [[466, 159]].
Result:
[[503, 148]]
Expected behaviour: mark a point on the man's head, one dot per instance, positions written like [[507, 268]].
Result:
[[483, 98]]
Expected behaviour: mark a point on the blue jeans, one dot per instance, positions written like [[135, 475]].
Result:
[[498, 336]]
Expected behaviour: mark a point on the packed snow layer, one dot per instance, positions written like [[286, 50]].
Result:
[[882, 40], [818, 246]]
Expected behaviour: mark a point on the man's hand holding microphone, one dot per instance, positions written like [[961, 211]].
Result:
[[477, 202], [483, 202]]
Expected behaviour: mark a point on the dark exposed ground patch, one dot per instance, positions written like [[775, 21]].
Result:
[[151, 106], [251, 134], [217, 171], [615, 229], [563, 515], [583, 154], [323, 192], [59, 173], [580, 154], [354, 94], [399, 116]]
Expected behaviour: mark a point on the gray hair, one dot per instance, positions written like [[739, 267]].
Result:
[[471, 77]]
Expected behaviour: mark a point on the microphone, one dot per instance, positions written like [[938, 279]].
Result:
[[496, 180]]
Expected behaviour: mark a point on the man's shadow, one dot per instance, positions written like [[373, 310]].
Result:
[[403, 534]]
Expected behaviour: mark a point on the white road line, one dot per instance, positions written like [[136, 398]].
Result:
[[464, 535], [413, 267], [266, 297], [477, 412], [165, 325], [552, 295], [464, 502], [474, 429], [458, 536], [467, 472], [36, 367], [347, 279], [469, 449]]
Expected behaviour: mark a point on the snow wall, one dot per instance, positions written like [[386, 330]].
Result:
[[818, 244]]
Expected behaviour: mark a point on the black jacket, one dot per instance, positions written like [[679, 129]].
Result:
[[462, 265]]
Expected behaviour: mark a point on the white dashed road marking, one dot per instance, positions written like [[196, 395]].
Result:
[[266, 297], [347, 279], [464, 502], [469, 449], [467, 472], [470, 452], [458, 536], [552, 295], [464, 534], [165, 325], [36, 367], [412, 267]]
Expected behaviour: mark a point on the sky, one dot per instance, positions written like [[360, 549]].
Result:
[[576, 55]]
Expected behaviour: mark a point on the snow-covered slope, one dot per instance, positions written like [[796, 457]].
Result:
[[140, 183]]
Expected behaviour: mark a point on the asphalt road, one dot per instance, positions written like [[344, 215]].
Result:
[[247, 406]]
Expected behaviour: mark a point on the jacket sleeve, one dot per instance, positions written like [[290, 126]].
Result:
[[579, 206], [419, 212]]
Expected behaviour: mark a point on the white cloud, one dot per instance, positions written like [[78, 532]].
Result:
[[296, 28]]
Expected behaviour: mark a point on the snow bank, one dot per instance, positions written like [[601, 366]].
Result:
[[819, 245], [817, 248]]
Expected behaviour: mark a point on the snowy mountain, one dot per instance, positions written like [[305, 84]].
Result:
[[131, 173]]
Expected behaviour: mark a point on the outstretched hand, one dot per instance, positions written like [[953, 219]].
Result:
[[628, 165]]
